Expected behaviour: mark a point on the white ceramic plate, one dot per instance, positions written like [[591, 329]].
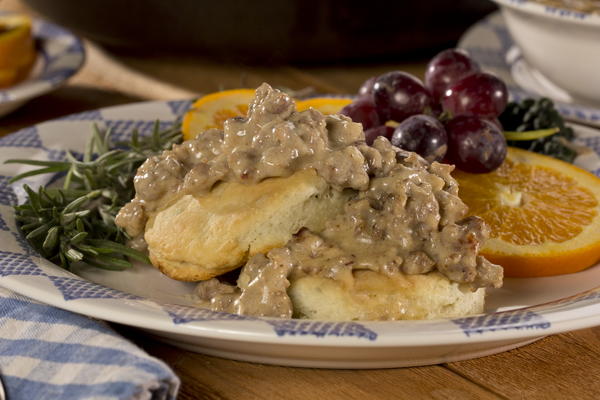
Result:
[[489, 42], [521, 312], [60, 55]]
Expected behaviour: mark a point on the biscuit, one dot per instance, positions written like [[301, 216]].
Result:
[[374, 296], [197, 238]]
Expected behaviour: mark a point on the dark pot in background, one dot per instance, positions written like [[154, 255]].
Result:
[[267, 31]]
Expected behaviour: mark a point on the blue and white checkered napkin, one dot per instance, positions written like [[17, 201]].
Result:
[[49, 353]]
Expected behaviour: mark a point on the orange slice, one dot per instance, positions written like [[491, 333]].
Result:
[[544, 214], [15, 39], [212, 110], [7, 77], [327, 105]]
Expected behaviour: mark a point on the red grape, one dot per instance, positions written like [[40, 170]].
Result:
[[362, 110], [496, 122], [480, 94], [436, 110], [398, 95], [446, 68], [422, 134], [474, 144], [366, 89], [383, 130]]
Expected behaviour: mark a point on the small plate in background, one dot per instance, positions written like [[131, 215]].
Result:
[[60, 55]]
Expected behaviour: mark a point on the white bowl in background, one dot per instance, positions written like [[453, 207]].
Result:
[[562, 44]]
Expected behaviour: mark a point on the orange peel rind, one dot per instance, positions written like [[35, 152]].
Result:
[[326, 105]]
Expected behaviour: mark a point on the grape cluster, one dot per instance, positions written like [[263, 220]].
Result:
[[451, 117], [539, 114]]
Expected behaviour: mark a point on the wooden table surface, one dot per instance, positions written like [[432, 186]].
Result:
[[556, 367]]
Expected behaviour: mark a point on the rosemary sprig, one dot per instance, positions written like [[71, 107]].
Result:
[[76, 222]]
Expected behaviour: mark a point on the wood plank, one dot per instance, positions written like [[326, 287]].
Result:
[[63, 101], [215, 378], [351, 77], [191, 74], [556, 367]]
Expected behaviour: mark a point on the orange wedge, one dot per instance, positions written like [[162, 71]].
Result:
[[544, 214], [327, 105], [212, 110], [17, 50]]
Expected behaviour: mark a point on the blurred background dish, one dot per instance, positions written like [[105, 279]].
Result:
[[555, 40], [269, 31], [491, 44], [60, 55]]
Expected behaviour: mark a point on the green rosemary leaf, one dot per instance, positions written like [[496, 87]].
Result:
[[120, 248], [124, 162], [76, 222], [135, 135], [51, 239], [67, 218], [72, 159], [38, 231], [27, 216], [156, 142], [32, 225], [65, 195], [63, 260], [88, 179], [109, 263], [34, 199], [47, 170], [46, 200], [25, 161], [75, 204], [68, 179], [80, 236], [93, 145], [28, 219], [88, 250], [107, 155], [73, 255]]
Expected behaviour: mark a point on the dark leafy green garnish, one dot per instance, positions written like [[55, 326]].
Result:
[[537, 115], [77, 222]]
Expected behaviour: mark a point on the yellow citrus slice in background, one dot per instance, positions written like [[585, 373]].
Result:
[[544, 214], [327, 105], [15, 39], [17, 49], [212, 110]]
